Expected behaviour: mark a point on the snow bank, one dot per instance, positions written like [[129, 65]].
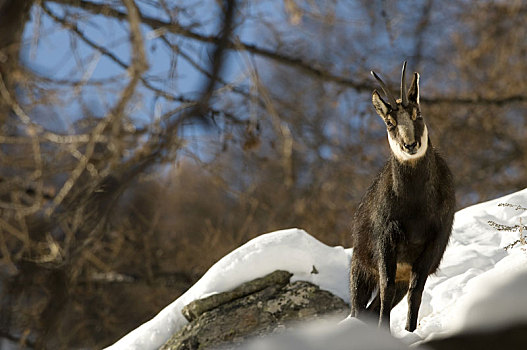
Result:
[[293, 250], [475, 265], [351, 334], [479, 284]]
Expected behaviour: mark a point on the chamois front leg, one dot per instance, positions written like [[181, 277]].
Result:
[[415, 292], [420, 272], [387, 271], [421, 269]]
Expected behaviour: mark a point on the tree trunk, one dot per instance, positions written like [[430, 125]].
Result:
[[13, 17]]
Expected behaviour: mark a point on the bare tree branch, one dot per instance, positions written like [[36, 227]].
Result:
[[144, 80], [218, 57], [137, 68], [295, 62], [156, 24]]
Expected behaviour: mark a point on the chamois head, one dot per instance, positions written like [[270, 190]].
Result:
[[407, 132]]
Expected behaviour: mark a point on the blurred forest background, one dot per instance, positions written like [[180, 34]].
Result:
[[142, 140]]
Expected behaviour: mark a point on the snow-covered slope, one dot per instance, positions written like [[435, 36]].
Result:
[[479, 284]]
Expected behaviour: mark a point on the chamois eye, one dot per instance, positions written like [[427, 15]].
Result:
[[389, 124], [416, 114]]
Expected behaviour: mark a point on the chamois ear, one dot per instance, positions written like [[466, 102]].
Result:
[[413, 92], [381, 107]]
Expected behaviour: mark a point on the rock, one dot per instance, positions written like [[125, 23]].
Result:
[[255, 308], [197, 307]]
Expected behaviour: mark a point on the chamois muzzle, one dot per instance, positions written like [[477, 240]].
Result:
[[412, 148]]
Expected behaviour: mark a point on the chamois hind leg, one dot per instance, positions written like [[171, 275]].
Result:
[[401, 288], [361, 288]]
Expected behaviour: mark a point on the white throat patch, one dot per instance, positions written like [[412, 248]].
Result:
[[401, 155]]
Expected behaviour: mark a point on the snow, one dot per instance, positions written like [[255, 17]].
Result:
[[293, 250], [478, 285], [351, 334]]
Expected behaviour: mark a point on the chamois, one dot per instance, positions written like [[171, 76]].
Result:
[[402, 224]]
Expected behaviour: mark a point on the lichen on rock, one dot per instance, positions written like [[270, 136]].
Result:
[[255, 308]]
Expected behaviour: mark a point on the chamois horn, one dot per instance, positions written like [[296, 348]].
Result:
[[390, 97], [404, 97]]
